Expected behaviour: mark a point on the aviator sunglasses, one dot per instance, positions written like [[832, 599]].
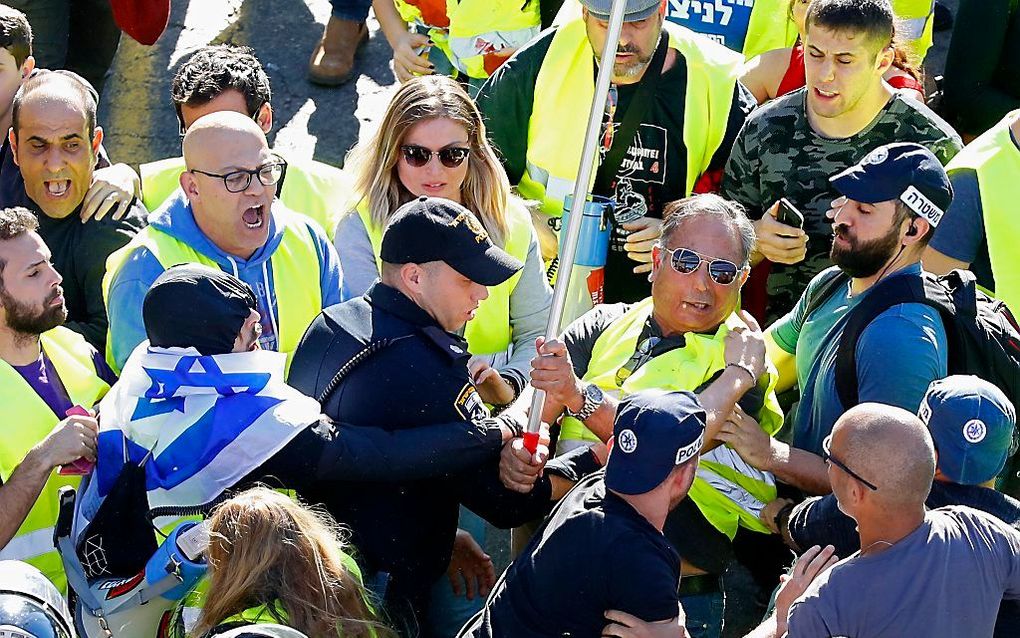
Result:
[[685, 261], [418, 156]]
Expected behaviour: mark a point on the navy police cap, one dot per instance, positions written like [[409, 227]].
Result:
[[655, 431], [435, 229], [905, 171]]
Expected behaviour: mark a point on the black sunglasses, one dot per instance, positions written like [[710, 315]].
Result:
[[418, 156], [238, 181], [829, 458], [686, 261]]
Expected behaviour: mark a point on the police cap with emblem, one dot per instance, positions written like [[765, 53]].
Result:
[[655, 431], [973, 426], [636, 9], [905, 171], [435, 229]]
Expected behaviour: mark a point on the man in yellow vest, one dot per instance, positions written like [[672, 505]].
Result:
[[687, 335], [230, 78], [226, 216], [675, 90], [45, 371], [980, 229]]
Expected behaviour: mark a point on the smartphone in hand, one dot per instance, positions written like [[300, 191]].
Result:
[[789, 215], [79, 467]]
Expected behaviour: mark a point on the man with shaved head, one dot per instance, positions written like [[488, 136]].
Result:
[[936, 573], [226, 216], [55, 142]]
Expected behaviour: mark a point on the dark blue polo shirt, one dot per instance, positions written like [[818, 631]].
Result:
[[595, 553]]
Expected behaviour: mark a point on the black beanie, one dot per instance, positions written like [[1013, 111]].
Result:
[[191, 305]]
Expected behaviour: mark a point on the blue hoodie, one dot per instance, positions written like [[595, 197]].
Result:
[[175, 218]]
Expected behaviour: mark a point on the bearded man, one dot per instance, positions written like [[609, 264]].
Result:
[[891, 202]]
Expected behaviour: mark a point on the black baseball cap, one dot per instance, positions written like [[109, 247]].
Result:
[[905, 171], [655, 431], [435, 229]]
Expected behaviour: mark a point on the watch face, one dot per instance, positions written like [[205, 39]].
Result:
[[594, 393]]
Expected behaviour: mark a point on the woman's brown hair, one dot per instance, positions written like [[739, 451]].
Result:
[[268, 550]]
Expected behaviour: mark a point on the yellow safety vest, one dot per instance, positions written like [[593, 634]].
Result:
[[565, 88], [478, 28], [684, 368], [769, 27], [995, 159], [28, 421], [490, 331], [916, 25], [295, 265], [312, 188]]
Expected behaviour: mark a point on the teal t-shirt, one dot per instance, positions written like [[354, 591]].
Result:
[[898, 355]]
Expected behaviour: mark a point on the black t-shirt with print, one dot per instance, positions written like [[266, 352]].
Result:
[[654, 169]]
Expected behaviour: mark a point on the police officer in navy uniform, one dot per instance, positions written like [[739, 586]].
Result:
[[392, 358], [600, 563]]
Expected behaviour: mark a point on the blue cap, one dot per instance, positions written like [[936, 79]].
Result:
[[905, 171], [636, 9], [972, 423], [655, 431]]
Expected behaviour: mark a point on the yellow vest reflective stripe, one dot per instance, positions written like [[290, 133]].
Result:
[[30, 420], [684, 368], [916, 25], [490, 331], [478, 27], [295, 265], [565, 88], [311, 188], [996, 160], [769, 27]]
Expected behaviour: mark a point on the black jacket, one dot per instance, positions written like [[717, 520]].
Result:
[[404, 527]]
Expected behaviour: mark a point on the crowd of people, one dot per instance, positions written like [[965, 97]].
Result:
[[247, 395]]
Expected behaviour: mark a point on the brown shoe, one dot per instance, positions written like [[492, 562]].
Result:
[[333, 58]]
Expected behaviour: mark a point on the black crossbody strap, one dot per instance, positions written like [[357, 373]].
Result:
[[636, 111]]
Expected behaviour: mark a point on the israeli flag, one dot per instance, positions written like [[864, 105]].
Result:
[[199, 423]]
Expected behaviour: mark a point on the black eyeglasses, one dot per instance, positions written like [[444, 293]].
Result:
[[686, 261], [238, 181], [418, 156], [829, 458], [640, 357]]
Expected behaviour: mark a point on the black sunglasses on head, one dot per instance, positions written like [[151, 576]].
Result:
[[685, 261], [829, 458], [418, 156]]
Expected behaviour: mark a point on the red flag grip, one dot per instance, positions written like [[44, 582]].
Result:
[[531, 441]]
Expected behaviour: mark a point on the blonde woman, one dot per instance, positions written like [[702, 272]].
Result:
[[273, 561], [432, 142]]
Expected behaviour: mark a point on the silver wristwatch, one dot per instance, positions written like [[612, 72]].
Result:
[[593, 396]]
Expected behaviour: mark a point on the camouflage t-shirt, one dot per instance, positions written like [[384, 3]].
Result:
[[777, 154]]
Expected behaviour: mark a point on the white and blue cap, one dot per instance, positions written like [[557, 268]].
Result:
[[905, 171], [655, 431], [973, 425], [636, 9]]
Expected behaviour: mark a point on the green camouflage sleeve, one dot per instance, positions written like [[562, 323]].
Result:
[[741, 181]]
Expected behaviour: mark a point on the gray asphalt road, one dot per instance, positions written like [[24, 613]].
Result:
[[310, 120]]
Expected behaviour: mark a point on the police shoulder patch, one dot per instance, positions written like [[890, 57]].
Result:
[[469, 404]]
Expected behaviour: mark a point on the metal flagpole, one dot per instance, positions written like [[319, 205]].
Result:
[[573, 229]]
